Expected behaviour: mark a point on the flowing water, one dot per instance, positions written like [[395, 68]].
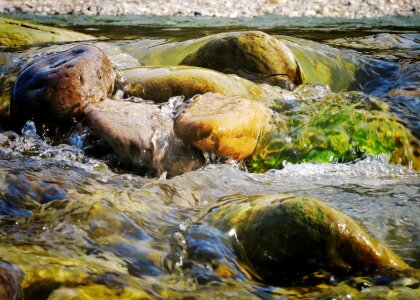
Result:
[[72, 222]]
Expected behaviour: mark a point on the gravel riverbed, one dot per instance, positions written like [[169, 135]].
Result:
[[229, 8]]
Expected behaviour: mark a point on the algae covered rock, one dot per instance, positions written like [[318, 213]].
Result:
[[142, 136], [159, 84], [254, 55], [61, 85], [15, 33], [284, 235], [226, 126], [337, 128]]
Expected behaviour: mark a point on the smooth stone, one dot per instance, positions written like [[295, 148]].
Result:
[[254, 55], [286, 235], [161, 83], [142, 136], [16, 33], [10, 278], [228, 126], [60, 86]]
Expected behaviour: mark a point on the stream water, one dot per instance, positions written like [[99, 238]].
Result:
[[70, 221]]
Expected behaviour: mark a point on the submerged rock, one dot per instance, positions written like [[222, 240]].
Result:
[[254, 55], [10, 278], [142, 136], [159, 84], [226, 126], [336, 128], [283, 236], [15, 33], [61, 85]]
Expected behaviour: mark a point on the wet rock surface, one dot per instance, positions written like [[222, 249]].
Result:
[[254, 55], [77, 230], [223, 125], [283, 236], [142, 136], [159, 84], [336, 128], [20, 33], [58, 87]]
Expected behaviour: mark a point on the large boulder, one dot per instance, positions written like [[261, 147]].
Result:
[[284, 236], [142, 136], [254, 55], [225, 125], [60, 86], [15, 33], [161, 83]]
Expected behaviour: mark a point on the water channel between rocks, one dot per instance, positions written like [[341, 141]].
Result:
[[77, 224]]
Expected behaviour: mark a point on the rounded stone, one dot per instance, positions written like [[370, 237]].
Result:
[[226, 126], [283, 236], [253, 55], [142, 137], [61, 85]]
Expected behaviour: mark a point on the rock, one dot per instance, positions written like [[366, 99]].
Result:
[[141, 136], [225, 125], [159, 84], [16, 33], [337, 128], [10, 278], [61, 85], [253, 55], [98, 291], [284, 236]]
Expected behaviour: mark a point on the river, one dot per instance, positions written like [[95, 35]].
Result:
[[72, 220]]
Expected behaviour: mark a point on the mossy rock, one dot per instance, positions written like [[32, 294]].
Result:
[[254, 55], [15, 33], [318, 63], [284, 235], [337, 128], [161, 83]]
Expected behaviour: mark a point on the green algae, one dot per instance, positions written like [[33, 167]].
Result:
[[284, 235], [336, 128], [15, 33]]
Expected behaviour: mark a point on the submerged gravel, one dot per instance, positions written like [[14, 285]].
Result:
[[229, 8]]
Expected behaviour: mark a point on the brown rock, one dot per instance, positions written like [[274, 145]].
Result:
[[253, 55], [10, 278], [59, 86], [224, 125], [141, 136]]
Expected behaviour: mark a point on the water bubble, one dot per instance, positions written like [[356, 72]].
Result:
[[29, 129], [76, 140]]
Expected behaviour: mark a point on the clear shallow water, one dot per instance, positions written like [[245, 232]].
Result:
[[64, 212]]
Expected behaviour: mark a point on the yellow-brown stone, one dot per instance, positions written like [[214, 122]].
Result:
[[226, 126]]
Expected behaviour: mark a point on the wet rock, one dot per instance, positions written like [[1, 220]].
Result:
[[61, 85], [21, 33], [159, 84], [337, 128], [10, 278], [284, 236], [226, 126], [143, 137], [97, 291], [253, 55]]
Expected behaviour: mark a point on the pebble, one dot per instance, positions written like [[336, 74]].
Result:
[[217, 8]]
